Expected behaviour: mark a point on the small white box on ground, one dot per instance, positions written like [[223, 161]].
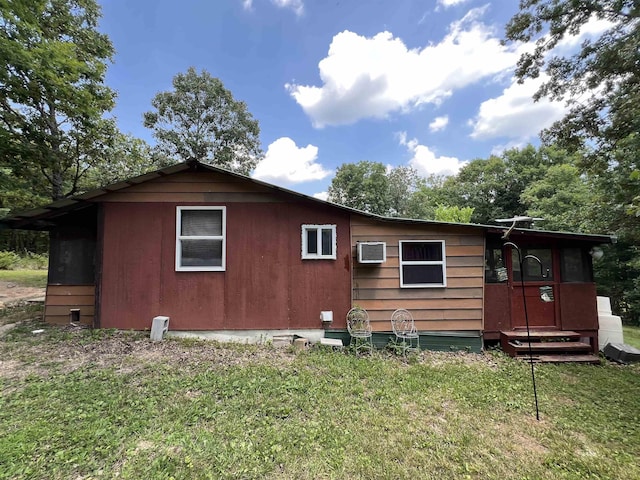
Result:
[[159, 327], [331, 342]]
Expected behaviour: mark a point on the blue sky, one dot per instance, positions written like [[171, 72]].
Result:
[[420, 83]]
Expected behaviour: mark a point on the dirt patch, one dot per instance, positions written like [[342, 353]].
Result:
[[126, 351], [11, 293]]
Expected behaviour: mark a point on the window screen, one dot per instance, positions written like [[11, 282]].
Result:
[[200, 243], [575, 265]]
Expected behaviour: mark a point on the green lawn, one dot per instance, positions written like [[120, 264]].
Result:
[[77, 404], [25, 278], [631, 335]]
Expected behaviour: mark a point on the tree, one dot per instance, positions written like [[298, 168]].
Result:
[[403, 183], [493, 187], [562, 197], [604, 125], [455, 214], [603, 71], [129, 157], [363, 185], [429, 194], [200, 120], [52, 96]]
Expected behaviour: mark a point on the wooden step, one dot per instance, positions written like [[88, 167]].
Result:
[[521, 347], [588, 359], [540, 334]]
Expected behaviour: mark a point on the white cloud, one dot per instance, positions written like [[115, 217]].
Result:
[[439, 123], [374, 76], [287, 163], [426, 162], [321, 195], [296, 5], [450, 3], [514, 114]]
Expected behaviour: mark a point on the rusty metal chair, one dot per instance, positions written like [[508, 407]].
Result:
[[359, 328], [404, 328]]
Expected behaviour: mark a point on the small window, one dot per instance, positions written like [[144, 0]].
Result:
[[422, 264], [318, 242], [200, 239], [575, 265], [494, 266], [534, 271]]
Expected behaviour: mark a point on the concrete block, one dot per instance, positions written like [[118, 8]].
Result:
[[159, 327], [331, 342], [301, 343]]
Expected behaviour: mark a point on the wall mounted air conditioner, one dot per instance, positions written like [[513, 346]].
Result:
[[372, 252]]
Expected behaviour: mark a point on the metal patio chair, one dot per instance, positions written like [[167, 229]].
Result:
[[359, 328], [404, 328]]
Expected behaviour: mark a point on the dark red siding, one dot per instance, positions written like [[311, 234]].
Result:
[[266, 285], [497, 308], [578, 306]]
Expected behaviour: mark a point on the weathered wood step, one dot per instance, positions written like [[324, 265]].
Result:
[[540, 334], [523, 346], [589, 359]]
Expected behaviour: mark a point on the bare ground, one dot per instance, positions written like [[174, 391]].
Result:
[[11, 293]]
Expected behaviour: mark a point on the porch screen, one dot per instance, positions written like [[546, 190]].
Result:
[[201, 238]]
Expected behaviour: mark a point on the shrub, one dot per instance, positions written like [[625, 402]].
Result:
[[8, 260], [34, 261]]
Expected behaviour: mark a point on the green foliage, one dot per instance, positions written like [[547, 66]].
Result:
[[562, 197], [363, 186], [129, 157], [31, 261], [491, 187], [454, 214], [603, 126], [52, 98], [402, 183], [200, 120], [216, 411], [8, 260], [603, 71], [369, 187]]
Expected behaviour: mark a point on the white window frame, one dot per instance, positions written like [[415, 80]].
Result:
[[179, 238], [319, 256], [442, 263]]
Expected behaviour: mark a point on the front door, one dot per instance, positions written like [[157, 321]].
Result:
[[537, 271]]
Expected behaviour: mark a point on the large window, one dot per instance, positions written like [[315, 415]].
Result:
[[422, 264], [200, 238], [318, 242]]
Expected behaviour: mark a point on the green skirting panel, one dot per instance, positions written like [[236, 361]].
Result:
[[470, 341]]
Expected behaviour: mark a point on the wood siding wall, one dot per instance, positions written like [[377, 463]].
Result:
[[456, 307], [266, 285], [61, 299]]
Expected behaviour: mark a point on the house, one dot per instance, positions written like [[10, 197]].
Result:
[[222, 254]]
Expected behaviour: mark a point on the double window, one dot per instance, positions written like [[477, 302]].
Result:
[[200, 239], [422, 264], [318, 242]]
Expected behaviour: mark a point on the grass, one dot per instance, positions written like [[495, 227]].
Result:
[[81, 404], [631, 335], [25, 278]]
